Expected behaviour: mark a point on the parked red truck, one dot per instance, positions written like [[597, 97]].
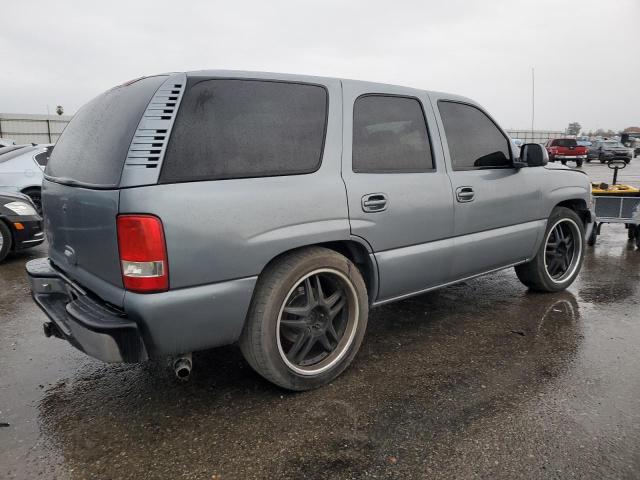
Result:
[[565, 149]]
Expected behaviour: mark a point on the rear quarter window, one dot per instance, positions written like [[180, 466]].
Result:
[[93, 147], [246, 128]]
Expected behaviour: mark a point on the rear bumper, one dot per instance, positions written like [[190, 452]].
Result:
[[149, 325], [89, 325], [570, 157]]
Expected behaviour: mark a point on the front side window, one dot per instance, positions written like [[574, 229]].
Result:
[[474, 140], [390, 135], [246, 128]]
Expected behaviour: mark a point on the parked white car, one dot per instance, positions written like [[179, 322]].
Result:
[[22, 169]]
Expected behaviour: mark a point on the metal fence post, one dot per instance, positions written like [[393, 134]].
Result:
[[49, 129]]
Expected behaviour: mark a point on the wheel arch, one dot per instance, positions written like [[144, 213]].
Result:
[[356, 250], [578, 205]]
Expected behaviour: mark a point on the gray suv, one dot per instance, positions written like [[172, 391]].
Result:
[[191, 210]]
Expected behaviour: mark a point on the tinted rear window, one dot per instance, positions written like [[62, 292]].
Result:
[[93, 147], [564, 142], [390, 135], [246, 128]]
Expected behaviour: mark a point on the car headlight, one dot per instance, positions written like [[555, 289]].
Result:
[[21, 208]]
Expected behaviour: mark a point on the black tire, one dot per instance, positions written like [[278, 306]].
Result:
[[6, 240], [588, 159], [564, 162], [36, 197], [267, 342], [627, 161], [578, 163], [638, 236], [564, 258], [631, 231], [591, 241]]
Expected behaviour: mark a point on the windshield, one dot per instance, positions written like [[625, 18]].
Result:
[[612, 145]]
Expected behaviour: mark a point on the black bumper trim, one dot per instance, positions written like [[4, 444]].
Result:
[[89, 325]]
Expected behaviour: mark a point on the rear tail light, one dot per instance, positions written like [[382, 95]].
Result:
[[143, 253]]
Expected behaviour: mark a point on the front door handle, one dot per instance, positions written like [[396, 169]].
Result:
[[465, 194], [374, 202]]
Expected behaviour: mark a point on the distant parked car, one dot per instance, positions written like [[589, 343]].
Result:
[[21, 166], [565, 149], [605, 150], [20, 224]]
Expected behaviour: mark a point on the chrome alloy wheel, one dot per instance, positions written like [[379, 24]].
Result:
[[317, 321], [563, 249]]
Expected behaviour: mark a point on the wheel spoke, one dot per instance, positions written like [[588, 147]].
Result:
[[333, 298], [312, 300], [326, 344], [553, 266], [295, 324], [337, 308], [320, 293], [297, 311], [300, 341], [331, 331], [308, 345]]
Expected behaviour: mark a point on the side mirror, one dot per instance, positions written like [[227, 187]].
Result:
[[532, 155]]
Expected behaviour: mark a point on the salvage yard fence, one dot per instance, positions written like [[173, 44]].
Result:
[[29, 128], [535, 136]]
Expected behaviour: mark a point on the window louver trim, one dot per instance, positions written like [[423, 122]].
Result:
[[150, 140]]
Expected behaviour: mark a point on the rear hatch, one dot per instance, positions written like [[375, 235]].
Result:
[[80, 192]]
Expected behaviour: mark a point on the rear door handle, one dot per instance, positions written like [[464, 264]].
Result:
[[374, 202], [465, 194]]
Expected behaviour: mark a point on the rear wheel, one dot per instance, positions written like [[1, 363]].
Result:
[[5, 240], [579, 163], [307, 319], [559, 258], [564, 162]]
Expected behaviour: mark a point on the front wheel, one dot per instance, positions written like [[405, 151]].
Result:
[[578, 163], [564, 162], [5, 240], [559, 258], [307, 319]]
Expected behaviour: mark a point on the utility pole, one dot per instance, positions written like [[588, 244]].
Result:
[[533, 97]]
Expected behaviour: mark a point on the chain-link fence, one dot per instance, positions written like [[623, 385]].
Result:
[[26, 128], [535, 136]]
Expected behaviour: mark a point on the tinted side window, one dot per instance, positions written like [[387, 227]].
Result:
[[246, 128], [474, 140], [93, 147], [390, 135]]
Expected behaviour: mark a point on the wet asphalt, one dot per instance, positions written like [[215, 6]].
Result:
[[478, 380]]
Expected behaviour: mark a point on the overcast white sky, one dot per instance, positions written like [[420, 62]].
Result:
[[585, 52]]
